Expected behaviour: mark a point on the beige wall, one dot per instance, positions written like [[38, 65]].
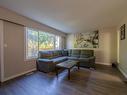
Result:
[[122, 57], [1, 50], [14, 62], [12, 16], [107, 51]]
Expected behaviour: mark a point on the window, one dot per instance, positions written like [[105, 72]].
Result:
[[46, 41], [31, 43], [38, 40]]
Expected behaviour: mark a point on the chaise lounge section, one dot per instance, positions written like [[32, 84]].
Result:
[[48, 59]]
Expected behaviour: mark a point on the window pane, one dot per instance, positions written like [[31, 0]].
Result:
[[46, 41], [32, 43], [57, 42]]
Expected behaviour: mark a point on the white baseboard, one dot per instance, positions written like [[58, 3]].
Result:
[[124, 74], [14, 76], [109, 64]]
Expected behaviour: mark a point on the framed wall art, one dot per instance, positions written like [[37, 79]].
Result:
[[87, 40], [122, 32]]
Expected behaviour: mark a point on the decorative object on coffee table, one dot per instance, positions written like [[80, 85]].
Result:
[[69, 64], [122, 32]]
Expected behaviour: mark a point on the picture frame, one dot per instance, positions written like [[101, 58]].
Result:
[[122, 32], [86, 39]]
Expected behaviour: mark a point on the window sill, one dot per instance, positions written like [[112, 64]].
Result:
[[30, 59]]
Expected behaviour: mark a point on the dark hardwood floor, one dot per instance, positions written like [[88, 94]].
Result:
[[102, 81]]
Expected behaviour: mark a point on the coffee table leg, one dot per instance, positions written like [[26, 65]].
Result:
[[78, 65], [56, 72], [69, 74]]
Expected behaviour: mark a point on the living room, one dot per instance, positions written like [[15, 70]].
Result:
[[35, 35]]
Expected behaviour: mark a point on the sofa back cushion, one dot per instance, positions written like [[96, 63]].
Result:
[[65, 52], [57, 53], [69, 52], [46, 54], [75, 53], [86, 53]]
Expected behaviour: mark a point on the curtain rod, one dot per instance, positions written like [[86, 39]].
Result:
[[12, 22]]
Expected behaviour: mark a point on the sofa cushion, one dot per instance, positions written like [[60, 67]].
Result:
[[84, 56], [46, 54], [86, 53], [83, 59], [45, 60], [57, 53], [75, 53], [69, 52], [72, 58], [65, 52], [59, 59]]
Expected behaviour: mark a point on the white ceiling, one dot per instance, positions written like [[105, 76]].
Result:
[[71, 16]]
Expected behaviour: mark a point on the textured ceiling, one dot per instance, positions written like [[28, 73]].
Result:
[[71, 16]]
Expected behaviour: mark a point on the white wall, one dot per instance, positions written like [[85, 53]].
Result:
[[123, 49], [107, 51]]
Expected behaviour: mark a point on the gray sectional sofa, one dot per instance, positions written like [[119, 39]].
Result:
[[48, 59]]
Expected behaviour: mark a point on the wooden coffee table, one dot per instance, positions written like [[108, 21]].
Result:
[[69, 64]]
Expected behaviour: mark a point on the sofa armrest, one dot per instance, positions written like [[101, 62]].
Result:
[[92, 61], [44, 60], [45, 65], [92, 58]]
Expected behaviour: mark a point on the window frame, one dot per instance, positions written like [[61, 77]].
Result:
[[26, 43]]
